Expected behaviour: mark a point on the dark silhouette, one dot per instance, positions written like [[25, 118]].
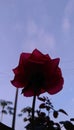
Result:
[[4, 127], [43, 119]]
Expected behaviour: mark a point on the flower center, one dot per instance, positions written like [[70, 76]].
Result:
[[37, 80]]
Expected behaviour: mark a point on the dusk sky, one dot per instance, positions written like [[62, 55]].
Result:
[[47, 25]]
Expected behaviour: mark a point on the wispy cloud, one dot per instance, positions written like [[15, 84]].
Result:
[[37, 37], [66, 24], [69, 9]]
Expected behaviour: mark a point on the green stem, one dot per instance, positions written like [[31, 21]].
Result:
[[33, 110]]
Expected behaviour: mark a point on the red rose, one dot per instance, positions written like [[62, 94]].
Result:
[[38, 73]]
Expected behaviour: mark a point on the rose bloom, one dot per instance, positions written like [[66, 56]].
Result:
[[37, 73]]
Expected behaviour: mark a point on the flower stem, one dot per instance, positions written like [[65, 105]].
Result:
[[15, 106], [1, 116], [33, 110]]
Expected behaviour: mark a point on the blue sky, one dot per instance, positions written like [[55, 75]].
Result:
[[44, 24]]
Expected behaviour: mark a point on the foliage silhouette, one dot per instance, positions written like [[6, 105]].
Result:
[[42, 118], [5, 108]]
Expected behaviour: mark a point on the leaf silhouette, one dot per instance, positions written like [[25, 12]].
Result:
[[55, 114], [4, 111], [68, 125], [62, 111], [42, 99], [71, 119], [42, 105]]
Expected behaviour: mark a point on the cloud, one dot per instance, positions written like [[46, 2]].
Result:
[[69, 8], [66, 25], [37, 37], [66, 22]]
